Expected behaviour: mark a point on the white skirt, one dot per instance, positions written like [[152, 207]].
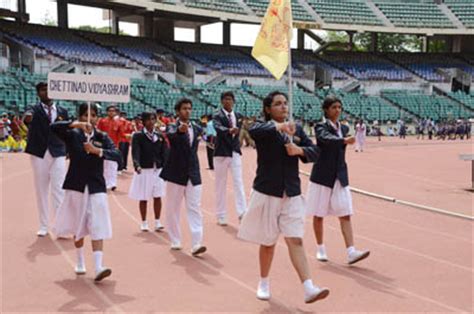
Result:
[[83, 214], [147, 185], [322, 201], [269, 216]]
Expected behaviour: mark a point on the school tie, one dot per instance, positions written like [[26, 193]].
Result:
[[50, 114], [231, 124]]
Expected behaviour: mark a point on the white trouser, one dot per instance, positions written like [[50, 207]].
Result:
[[110, 173], [221, 167], [174, 196], [49, 174]]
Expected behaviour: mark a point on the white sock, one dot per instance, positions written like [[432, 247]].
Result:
[[350, 250], [98, 260], [308, 286], [321, 248], [80, 256], [157, 221], [264, 282]]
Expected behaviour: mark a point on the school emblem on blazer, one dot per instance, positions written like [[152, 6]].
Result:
[[60, 118], [97, 144], [296, 139]]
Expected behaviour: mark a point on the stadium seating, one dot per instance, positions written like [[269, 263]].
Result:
[[345, 12], [426, 65], [230, 6], [366, 107], [367, 66], [427, 106], [299, 13], [145, 52], [414, 13], [463, 9], [466, 99], [62, 44]]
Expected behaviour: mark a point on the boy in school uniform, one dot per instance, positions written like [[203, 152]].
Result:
[[85, 209], [276, 205], [48, 155], [328, 190], [149, 151], [227, 156], [182, 174], [111, 126]]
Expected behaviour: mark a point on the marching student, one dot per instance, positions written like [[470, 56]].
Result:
[[48, 155], [85, 209], [227, 156], [111, 126], [276, 205], [148, 153], [328, 190], [181, 171]]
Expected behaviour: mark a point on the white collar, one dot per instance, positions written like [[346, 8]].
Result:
[[336, 126], [226, 112], [53, 106]]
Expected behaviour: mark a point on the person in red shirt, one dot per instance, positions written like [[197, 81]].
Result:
[[125, 135], [161, 118], [111, 126]]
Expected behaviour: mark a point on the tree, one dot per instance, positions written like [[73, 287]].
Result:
[[104, 29], [48, 20], [388, 42]]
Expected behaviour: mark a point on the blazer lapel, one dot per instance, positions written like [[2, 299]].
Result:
[[42, 112], [331, 128], [224, 118]]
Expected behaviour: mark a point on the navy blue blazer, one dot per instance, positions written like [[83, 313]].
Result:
[[331, 164], [145, 153], [226, 143], [278, 173], [85, 169], [40, 137], [182, 163]]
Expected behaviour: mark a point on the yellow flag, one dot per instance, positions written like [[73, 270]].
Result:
[[272, 45]]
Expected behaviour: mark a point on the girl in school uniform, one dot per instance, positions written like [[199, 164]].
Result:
[[276, 205], [328, 190], [148, 153], [85, 209]]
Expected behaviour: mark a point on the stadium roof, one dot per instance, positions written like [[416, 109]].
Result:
[[454, 17]]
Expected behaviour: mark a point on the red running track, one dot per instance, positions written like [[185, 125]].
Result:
[[420, 261]]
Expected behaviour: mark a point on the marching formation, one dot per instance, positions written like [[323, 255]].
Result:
[[166, 166]]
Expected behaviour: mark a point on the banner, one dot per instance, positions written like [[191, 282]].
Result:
[[64, 86]]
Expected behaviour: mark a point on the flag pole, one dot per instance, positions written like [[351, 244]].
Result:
[[290, 68], [290, 83]]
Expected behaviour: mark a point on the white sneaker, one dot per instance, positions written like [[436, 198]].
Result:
[[158, 226], [80, 269], [357, 256], [144, 226], [316, 294], [42, 232], [198, 249], [176, 246], [321, 255], [222, 221], [102, 273], [263, 292]]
